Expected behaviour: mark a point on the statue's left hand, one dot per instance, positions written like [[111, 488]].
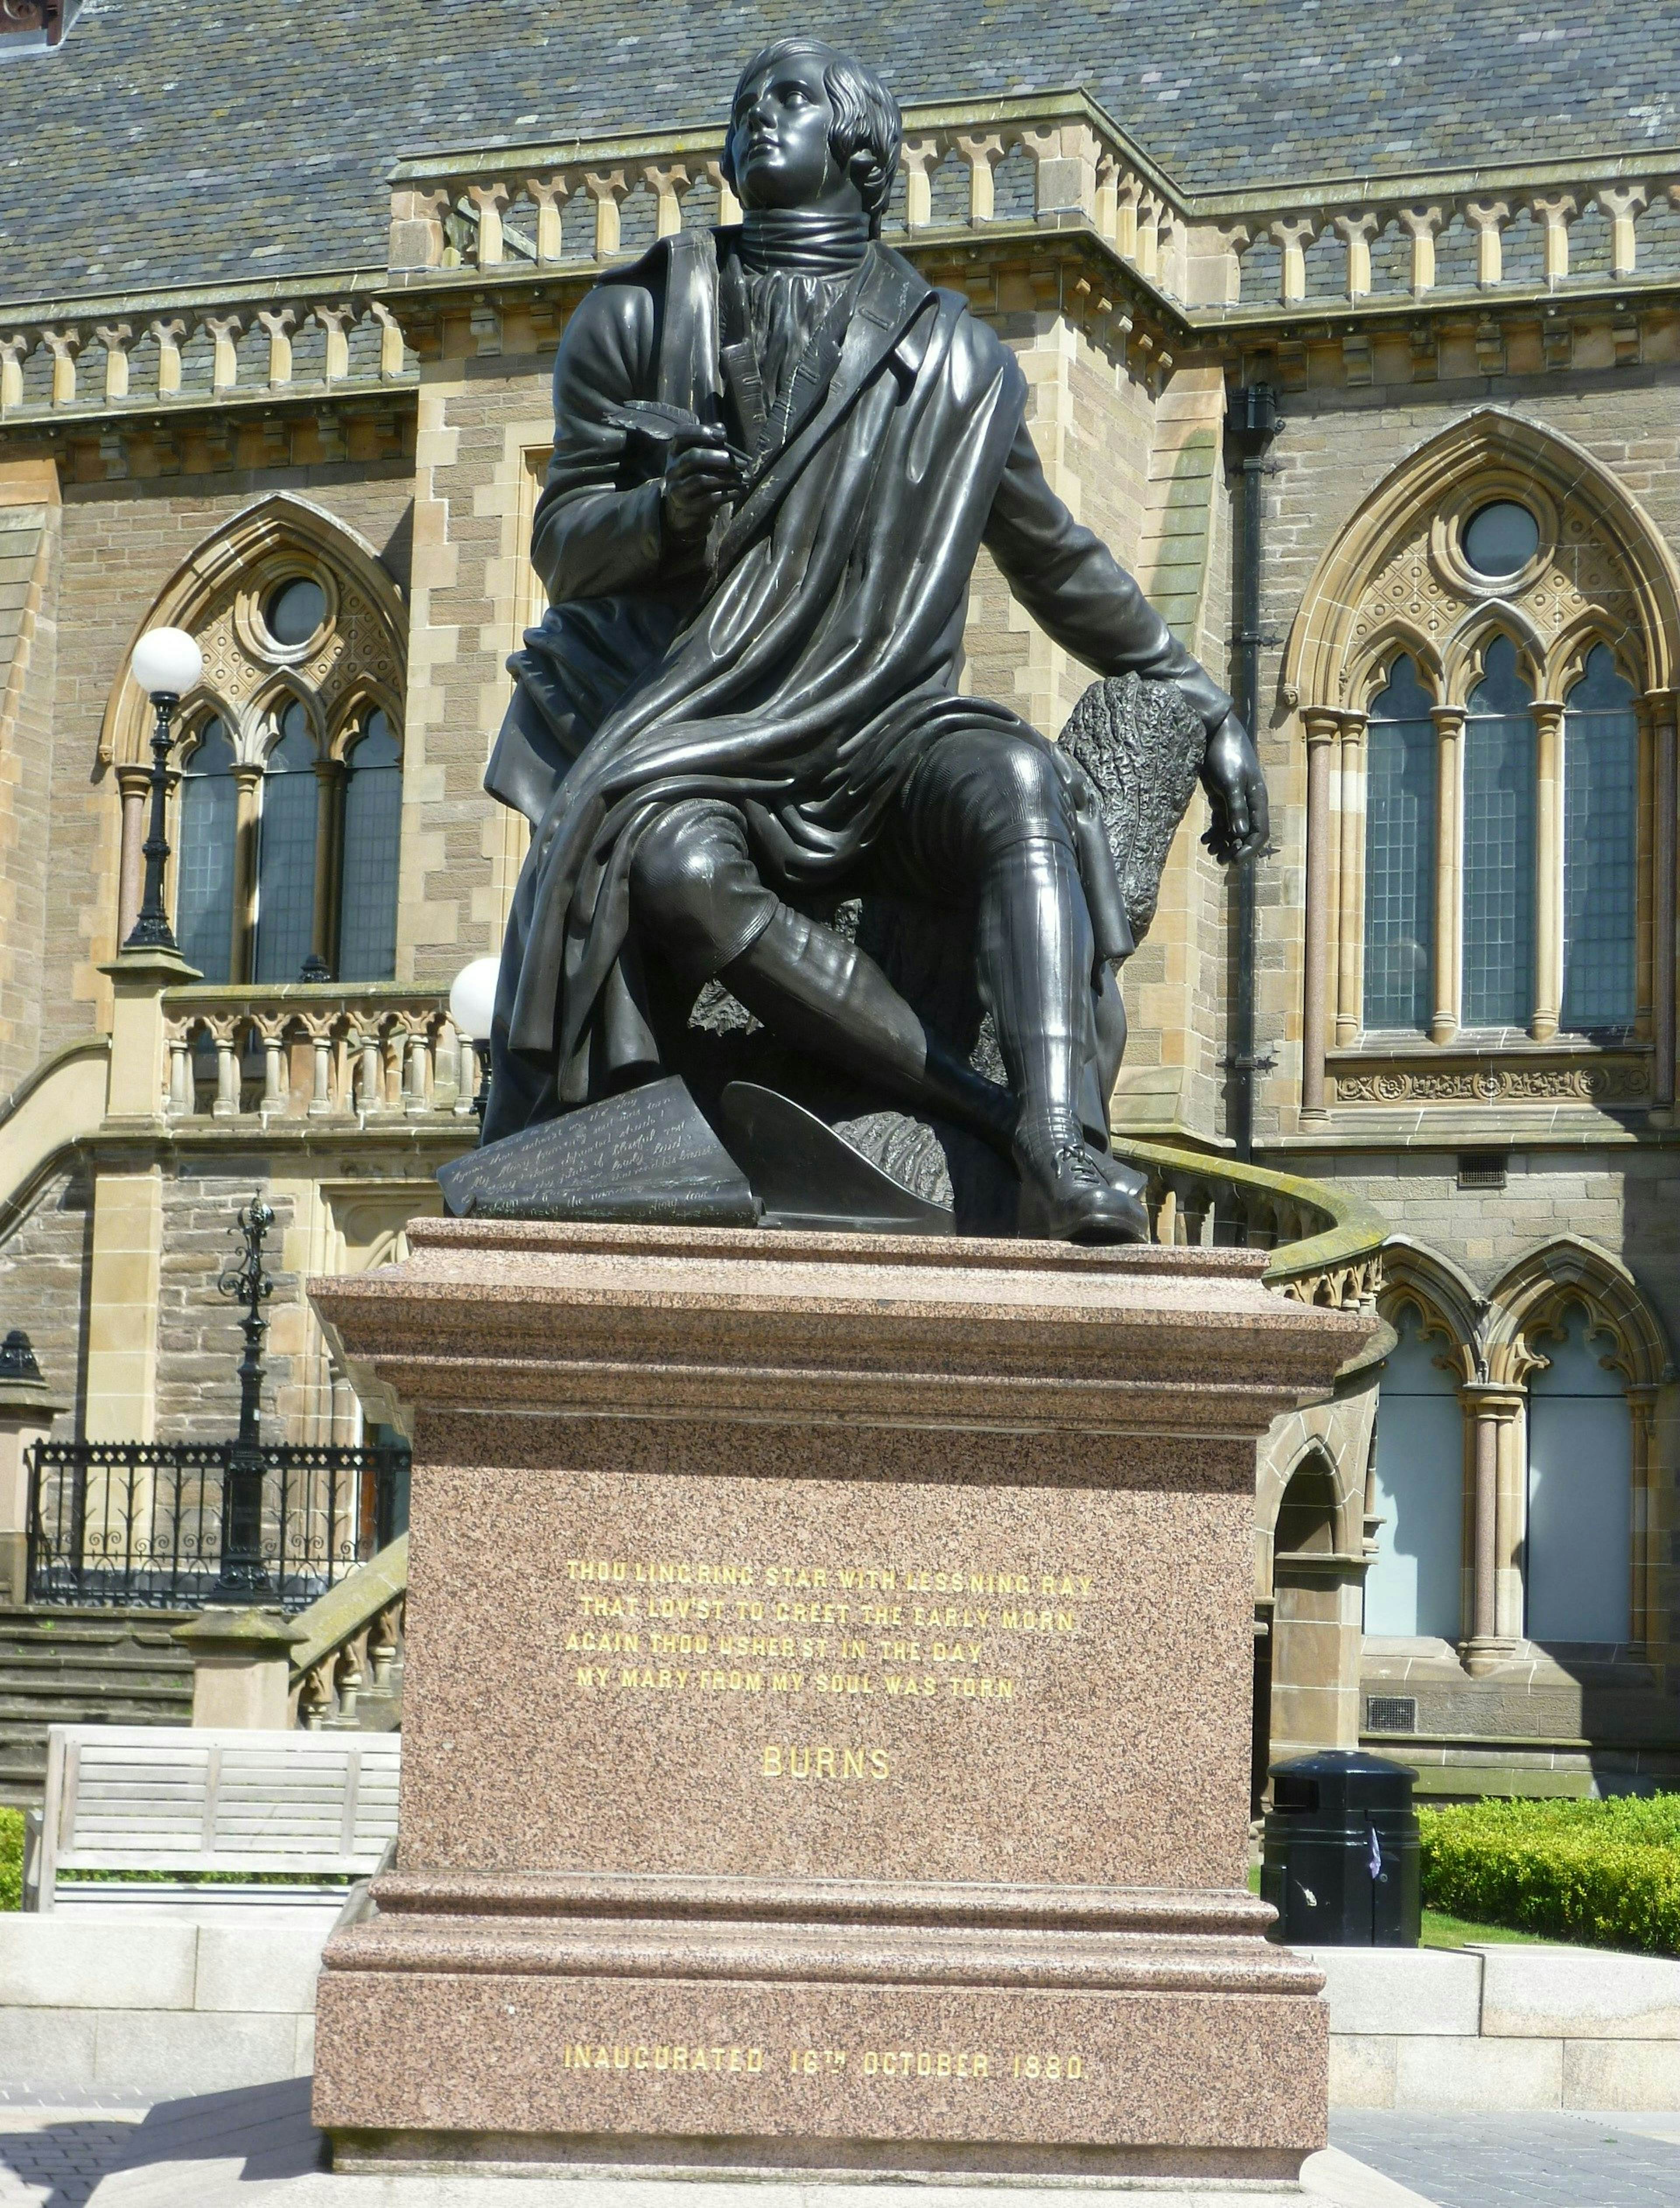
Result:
[[1236, 790]]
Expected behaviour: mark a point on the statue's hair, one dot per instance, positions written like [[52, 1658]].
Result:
[[866, 117]]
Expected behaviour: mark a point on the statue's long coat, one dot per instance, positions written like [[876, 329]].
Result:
[[801, 672]]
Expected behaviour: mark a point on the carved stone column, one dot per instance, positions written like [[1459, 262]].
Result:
[[134, 782], [1448, 784], [1554, 213], [1548, 871], [1321, 727], [247, 781], [1646, 1607], [1646, 835], [332, 775], [1350, 885], [1495, 1407], [1661, 705], [1420, 224]]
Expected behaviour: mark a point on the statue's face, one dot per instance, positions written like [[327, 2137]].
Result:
[[778, 138]]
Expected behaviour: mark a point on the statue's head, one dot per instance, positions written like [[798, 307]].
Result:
[[811, 128]]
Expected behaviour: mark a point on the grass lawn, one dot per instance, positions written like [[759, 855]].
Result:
[[1440, 1930]]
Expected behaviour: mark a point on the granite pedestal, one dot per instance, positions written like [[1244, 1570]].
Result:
[[827, 1715]]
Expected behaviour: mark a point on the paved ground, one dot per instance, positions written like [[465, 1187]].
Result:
[[245, 2149], [53, 2158], [1521, 2161]]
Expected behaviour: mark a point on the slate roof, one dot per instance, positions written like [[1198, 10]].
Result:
[[199, 141]]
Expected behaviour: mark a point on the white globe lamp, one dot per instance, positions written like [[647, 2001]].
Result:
[[472, 1008], [166, 663]]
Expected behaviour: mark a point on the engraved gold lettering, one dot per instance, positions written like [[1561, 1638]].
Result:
[[822, 1760]]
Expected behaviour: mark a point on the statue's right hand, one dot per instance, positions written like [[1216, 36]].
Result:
[[701, 476]]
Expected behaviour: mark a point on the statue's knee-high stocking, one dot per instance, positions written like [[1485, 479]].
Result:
[[814, 988], [1036, 957], [1036, 953]]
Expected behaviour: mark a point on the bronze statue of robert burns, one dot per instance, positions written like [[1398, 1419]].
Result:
[[777, 452]]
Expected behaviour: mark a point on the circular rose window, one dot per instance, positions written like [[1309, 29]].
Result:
[[295, 611], [1500, 539]]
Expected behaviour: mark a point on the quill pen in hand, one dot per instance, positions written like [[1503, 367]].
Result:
[[664, 424]]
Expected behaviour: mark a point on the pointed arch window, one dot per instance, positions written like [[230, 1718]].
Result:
[[1400, 853], [290, 770], [1601, 848], [1580, 1491], [1534, 609], [372, 807], [1414, 1586], [205, 866], [286, 836], [1499, 845]]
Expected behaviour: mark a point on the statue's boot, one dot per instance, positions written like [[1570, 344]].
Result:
[[1036, 953], [816, 990]]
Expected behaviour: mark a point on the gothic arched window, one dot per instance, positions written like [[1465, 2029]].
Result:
[[1601, 848], [1412, 1587], [372, 809], [286, 870], [1511, 592], [1580, 1492], [1400, 854], [204, 877], [1499, 845]]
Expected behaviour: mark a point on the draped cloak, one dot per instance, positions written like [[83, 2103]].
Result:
[[799, 667]]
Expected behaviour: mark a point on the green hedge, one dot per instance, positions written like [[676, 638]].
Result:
[[1606, 1873], [11, 1858]]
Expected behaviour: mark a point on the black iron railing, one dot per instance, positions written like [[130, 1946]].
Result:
[[141, 1524]]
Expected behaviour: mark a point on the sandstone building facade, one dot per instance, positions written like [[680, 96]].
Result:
[[277, 316]]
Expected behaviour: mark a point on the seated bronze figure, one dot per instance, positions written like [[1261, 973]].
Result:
[[777, 452]]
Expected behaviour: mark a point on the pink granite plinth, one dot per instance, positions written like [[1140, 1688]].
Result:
[[826, 1711]]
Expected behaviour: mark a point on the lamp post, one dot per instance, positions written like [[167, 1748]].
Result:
[[472, 1007], [243, 1574], [166, 663]]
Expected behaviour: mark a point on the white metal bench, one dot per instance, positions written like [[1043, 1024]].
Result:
[[174, 1798]]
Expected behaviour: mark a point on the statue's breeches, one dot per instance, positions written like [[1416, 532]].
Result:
[[696, 889]]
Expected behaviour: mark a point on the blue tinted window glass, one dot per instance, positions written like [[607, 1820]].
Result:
[[1499, 847], [1501, 538], [286, 853], [1601, 797], [1400, 854], [1579, 1532], [1413, 1583], [373, 829], [296, 611], [204, 878]]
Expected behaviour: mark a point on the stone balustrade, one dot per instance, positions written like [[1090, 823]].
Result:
[[1508, 233], [114, 355], [1056, 160], [1327, 1242], [1044, 160], [315, 1050], [971, 170], [346, 1669]]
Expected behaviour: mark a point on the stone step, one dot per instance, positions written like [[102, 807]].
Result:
[[83, 1667]]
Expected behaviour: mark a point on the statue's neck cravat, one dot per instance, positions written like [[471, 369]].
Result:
[[797, 264]]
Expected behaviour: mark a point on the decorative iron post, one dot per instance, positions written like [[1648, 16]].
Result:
[[167, 663], [243, 1574], [151, 930]]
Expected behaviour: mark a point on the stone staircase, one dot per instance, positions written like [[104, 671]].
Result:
[[83, 1667]]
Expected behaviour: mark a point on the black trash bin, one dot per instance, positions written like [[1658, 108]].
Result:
[[1341, 1865]]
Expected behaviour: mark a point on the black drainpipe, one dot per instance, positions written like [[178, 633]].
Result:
[[1251, 423]]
